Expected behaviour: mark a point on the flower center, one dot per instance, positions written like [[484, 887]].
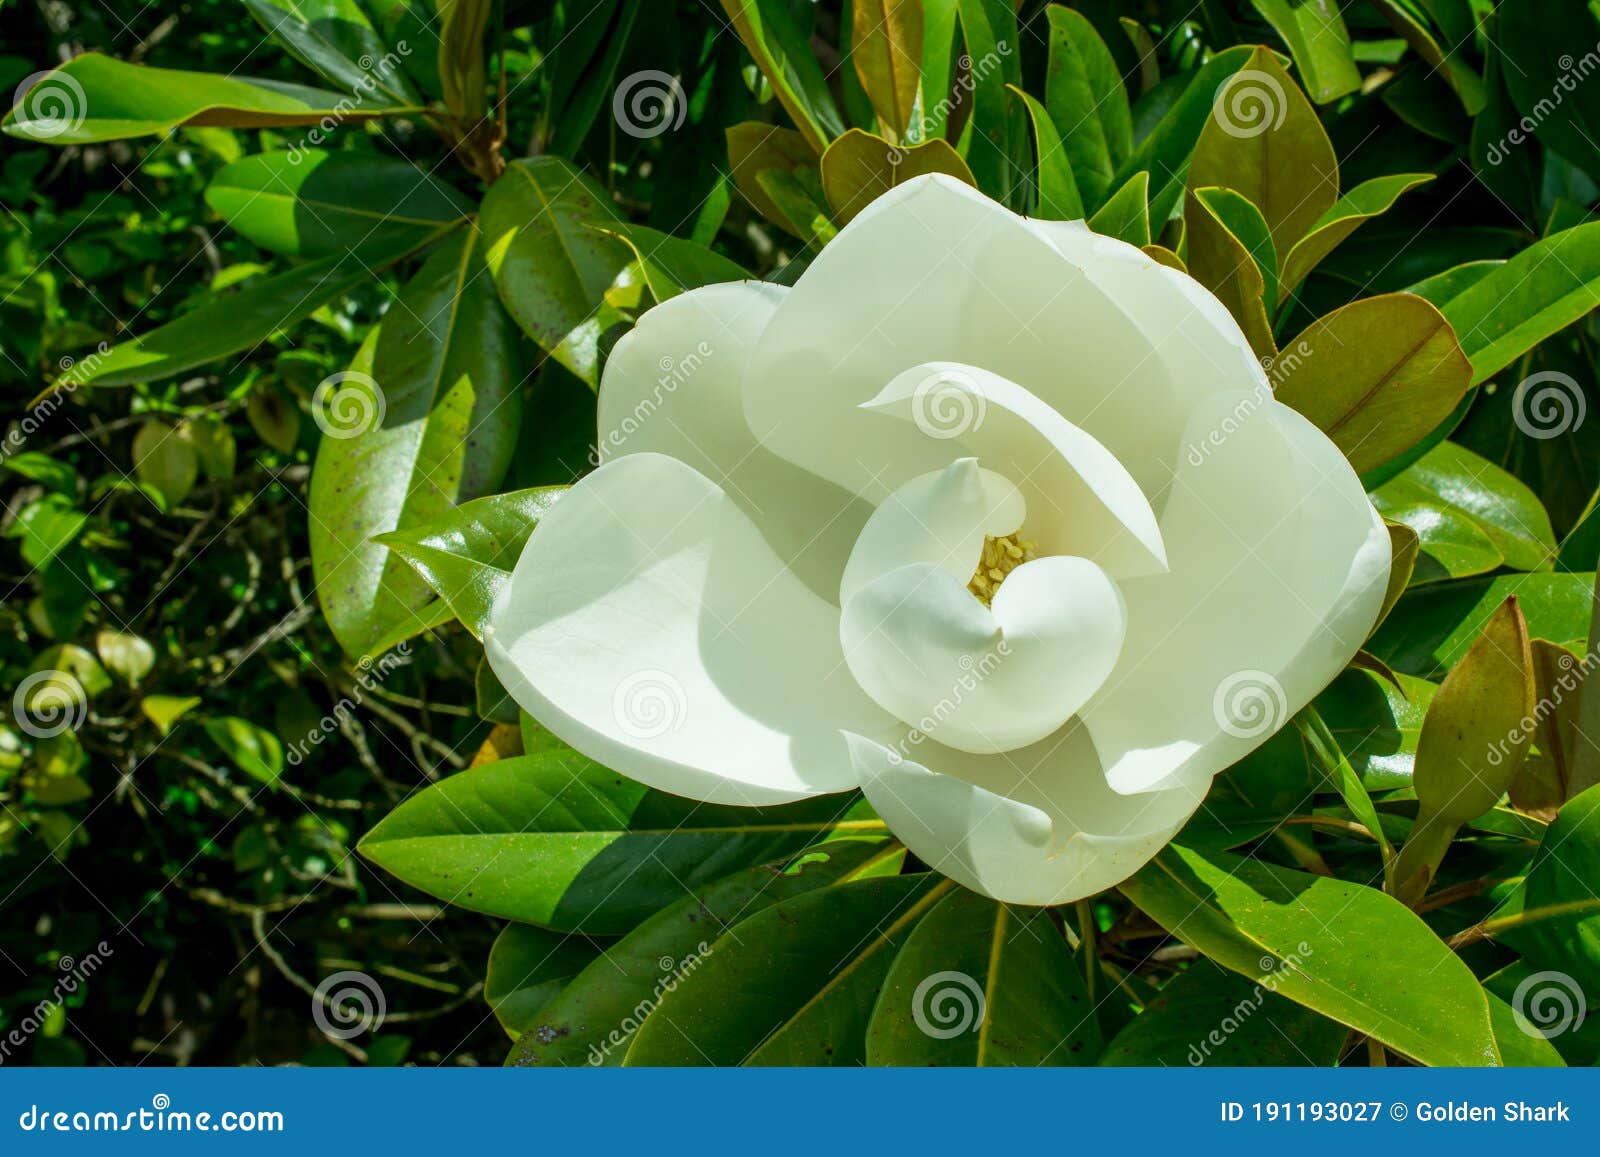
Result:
[[1000, 557]]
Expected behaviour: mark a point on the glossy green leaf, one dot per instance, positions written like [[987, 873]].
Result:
[[1206, 1016], [467, 554], [165, 710], [528, 967], [779, 47], [553, 268], [595, 1018], [337, 39], [1226, 234], [1376, 376], [94, 98], [858, 168], [1441, 52], [1449, 494], [1264, 141], [1165, 149], [1376, 724], [1332, 945], [1552, 774], [1553, 917], [1537, 39], [1472, 740], [996, 135], [1056, 192], [1354, 209], [1318, 40], [940, 19], [1434, 625], [126, 655], [557, 840], [983, 983], [164, 462], [236, 320], [426, 417], [1126, 213], [672, 264], [886, 49], [1512, 307], [832, 951], [1088, 104], [755, 148], [314, 203], [253, 750]]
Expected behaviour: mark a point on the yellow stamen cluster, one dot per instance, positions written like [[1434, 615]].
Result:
[[1001, 556]]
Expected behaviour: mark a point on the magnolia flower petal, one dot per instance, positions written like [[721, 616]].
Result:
[[939, 518], [987, 822], [672, 385], [935, 271], [649, 625], [980, 679], [1279, 566], [1081, 500]]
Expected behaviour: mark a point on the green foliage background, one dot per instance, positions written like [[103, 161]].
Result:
[[223, 576]]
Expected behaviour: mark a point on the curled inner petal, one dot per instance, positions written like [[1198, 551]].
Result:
[[980, 674]]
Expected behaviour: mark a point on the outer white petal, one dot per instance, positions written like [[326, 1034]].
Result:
[[1081, 500], [1033, 826], [1195, 338], [672, 385], [935, 271], [1279, 566], [649, 625]]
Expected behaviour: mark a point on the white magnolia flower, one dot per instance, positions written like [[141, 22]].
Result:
[[993, 518]]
